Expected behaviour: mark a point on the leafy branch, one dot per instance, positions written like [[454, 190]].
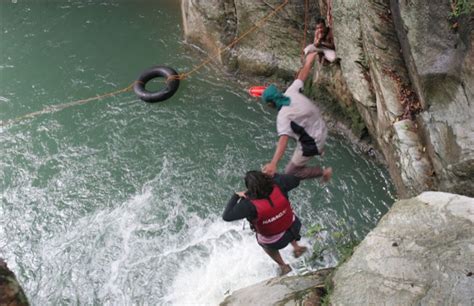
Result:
[[460, 7]]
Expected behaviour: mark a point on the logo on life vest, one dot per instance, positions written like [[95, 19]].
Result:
[[274, 218]]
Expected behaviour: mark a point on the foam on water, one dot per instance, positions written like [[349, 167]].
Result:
[[198, 261]]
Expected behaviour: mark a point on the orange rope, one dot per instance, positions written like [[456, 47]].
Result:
[[306, 8], [181, 76], [258, 24], [58, 107]]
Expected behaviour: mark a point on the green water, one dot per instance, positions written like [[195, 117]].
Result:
[[118, 202]]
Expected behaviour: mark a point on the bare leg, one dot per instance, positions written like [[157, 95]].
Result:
[[275, 255], [298, 250], [304, 172]]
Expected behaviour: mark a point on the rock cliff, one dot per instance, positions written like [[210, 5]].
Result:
[[420, 253], [11, 293], [289, 290], [404, 75]]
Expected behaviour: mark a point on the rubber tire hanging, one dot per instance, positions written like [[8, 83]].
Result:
[[172, 84]]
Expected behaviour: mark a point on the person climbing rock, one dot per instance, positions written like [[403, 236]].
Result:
[[323, 42], [298, 118], [266, 206]]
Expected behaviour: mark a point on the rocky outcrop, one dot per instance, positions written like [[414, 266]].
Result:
[[215, 24], [405, 68], [438, 50], [420, 253], [290, 290], [11, 293], [371, 60]]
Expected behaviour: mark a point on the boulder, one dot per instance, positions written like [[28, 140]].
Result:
[[11, 293], [286, 290], [420, 253]]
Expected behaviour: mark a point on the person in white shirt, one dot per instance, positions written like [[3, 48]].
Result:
[[298, 118]]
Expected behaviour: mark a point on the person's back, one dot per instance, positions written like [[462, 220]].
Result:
[[303, 112], [266, 205]]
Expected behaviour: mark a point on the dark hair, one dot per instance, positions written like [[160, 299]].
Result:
[[259, 185], [326, 29]]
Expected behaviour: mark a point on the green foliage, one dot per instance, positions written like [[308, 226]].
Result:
[[326, 300], [460, 7], [342, 243], [315, 229], [329, 288]]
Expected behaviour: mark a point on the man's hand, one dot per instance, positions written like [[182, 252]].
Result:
[[241, 194], [269, 169], [318, 36], [327, 174]]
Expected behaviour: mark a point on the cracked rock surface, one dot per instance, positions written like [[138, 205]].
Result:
[[421, 253]]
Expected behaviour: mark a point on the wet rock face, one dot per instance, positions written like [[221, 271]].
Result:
[[439, 53], [11, 293], [420, 253], [410, 72], [210, 24], [375, 70], [213, 25]]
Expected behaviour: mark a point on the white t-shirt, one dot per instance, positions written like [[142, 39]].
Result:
[[303, 112]]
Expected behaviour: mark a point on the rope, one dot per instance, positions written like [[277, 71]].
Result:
[[54, 108], [303, 42], [306, 9], [181, 76], [257, 25]]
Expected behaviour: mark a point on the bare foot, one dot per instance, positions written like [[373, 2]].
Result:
[[300, 251], [327, 174], [285, 269]]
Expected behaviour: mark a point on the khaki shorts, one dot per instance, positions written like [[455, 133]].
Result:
[[298, 159]]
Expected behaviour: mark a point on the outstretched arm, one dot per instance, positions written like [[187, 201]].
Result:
[[271, 167], [238, 208], [308, 65]]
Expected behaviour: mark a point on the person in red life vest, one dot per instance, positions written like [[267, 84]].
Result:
[[300, 119], [266, 206]]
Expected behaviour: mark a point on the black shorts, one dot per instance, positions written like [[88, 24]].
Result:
[[293, 233]]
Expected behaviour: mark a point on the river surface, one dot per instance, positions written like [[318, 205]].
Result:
[[119, 202]]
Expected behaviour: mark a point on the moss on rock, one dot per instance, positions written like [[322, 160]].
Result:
[[345, 113]]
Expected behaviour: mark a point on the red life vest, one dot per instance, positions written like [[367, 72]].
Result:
[[272, 220]]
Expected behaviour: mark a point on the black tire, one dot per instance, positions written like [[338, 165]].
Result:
[[155, 72]]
